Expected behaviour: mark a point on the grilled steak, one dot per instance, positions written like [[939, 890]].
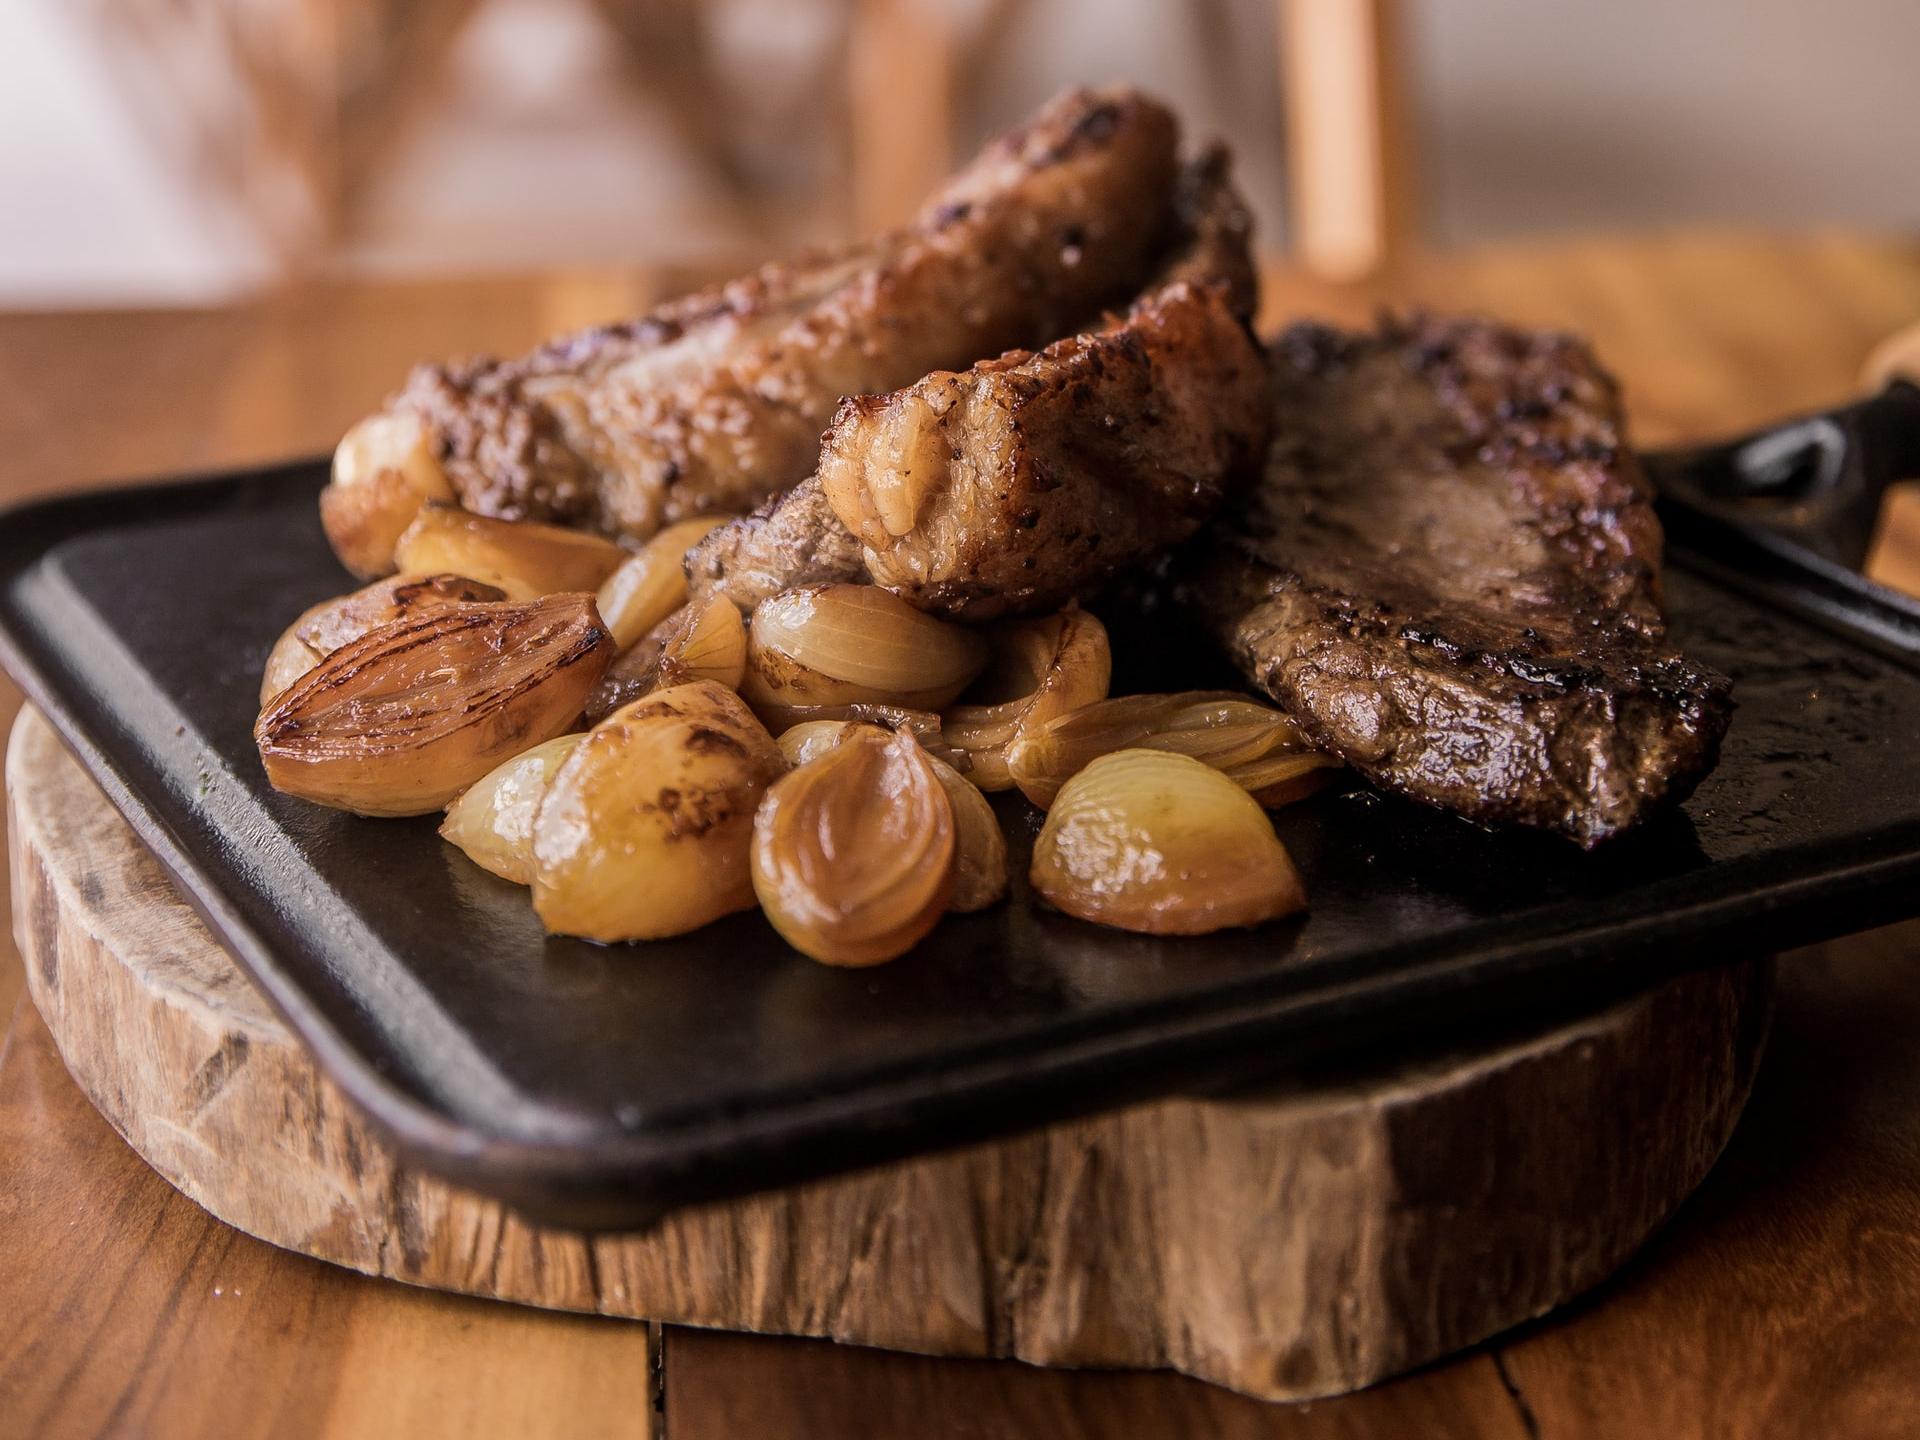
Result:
[[1035, 478], [716, 401], [791, 539], [1032, 478], [1450, 577], [1213, 242]]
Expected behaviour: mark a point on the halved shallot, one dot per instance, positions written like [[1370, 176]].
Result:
[[854, 644], [1253, 744], [980, 861], [403, 719], [1040, 668], [492, 821], [980, 849], [710, 645], [383, 472], [652, 582], [645, 829], [1161, 843], [525, 559], [853, 853]]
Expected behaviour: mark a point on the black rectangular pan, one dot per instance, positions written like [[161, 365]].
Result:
[[604, 1086]]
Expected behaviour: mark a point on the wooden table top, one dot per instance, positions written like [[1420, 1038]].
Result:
[[1783, 1301]]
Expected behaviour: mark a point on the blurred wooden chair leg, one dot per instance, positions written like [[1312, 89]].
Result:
[[672, 59], [900, 75], [1349, 155], [391, 61], [285, 108]]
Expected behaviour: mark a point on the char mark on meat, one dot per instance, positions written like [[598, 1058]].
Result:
[[716, 401], [1034, 478], [1450, 575], [790, 540], [1213, 242]]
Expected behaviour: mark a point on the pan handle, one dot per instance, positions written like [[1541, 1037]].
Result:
[[1787, 514], [1816, 481]]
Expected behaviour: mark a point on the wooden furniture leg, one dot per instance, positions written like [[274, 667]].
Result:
[[900, 114], [1349, 170]]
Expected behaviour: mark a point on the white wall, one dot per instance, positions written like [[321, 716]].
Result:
[[1546, 116], [84, 211], [1535, 116]]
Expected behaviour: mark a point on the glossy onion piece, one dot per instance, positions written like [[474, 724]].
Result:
[[290, 658], [383, 472], [652, 582], [525, 559], [1229, 731], [855, 644], [1160, 843], [645, 830], [403, 719], [980, 850], [806, 742], [853, 854], [1041, 668], [980, 856], [1279, 779], [711, 645], [636, 670], [923, 725], [327, 626], [493, 820]]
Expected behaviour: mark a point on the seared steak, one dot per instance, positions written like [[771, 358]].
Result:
[[1034, 477], [1450, 577], [716, 401], [1213, 244], [790, 540]]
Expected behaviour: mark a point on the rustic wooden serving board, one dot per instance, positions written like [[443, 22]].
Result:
[[1328, 1231]]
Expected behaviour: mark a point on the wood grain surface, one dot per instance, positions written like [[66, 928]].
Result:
[[1784, 1301], [130, 1312], [1293, 1240]]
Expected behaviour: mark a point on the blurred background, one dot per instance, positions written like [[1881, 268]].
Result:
[[186, 152]]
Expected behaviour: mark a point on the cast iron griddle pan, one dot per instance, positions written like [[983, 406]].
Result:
[[605, 1086]]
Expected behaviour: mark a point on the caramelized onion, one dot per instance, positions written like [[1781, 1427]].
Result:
[[710, 645], [290, 658], [645, 830], [493, 820], [525, 559], [651, 583], [854, 644], [980, 850], [636, 670], [327, 626], [923, 725], [810, 739], [1161, 843], [1254, 744], [1041, 668], [403, 719], [383, 472], [1281, 778], [853, 853]]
